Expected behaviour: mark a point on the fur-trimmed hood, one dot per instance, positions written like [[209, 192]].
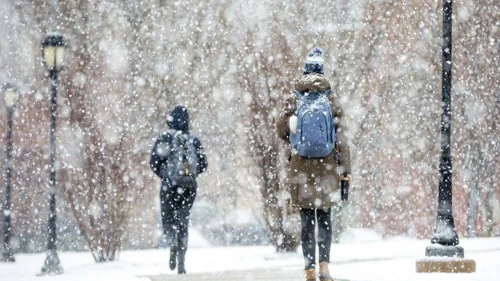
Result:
[[311, 83]]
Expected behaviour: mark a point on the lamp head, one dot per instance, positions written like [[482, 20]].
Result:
[[10, 95], [53, 51]]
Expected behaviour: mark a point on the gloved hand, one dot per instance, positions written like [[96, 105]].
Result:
[[346, 177], [345, 180]]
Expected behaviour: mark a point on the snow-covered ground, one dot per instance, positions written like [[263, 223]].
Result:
[[358, 257]]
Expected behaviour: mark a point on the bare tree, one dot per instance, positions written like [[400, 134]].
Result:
[[230, 65], [476, 107]]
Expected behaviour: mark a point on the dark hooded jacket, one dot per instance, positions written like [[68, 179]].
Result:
[[178, 120], [314, 183]]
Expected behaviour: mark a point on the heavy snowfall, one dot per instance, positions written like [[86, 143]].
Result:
[[128, 63]]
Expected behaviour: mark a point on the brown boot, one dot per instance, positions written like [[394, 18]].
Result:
[[324, 273], [310, 274]]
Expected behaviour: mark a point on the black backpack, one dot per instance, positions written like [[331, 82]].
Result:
[[182, 159]]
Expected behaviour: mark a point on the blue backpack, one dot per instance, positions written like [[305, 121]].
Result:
[[315, 137]]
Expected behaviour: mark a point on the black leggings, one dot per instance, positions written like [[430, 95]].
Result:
[[308, 237], [175, 211]]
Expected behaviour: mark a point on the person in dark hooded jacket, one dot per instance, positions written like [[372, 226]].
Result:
[[176, 198]]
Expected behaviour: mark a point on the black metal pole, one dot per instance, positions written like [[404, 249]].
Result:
[[8, 255], [52, 263], [445, 233]]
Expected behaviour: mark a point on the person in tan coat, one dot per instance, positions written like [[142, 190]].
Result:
[[314, 183]]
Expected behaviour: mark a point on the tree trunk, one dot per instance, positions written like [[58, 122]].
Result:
[[282, 236], [488, 207], [475, 168]]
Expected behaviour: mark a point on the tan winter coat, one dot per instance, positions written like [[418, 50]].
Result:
[[315, 183]]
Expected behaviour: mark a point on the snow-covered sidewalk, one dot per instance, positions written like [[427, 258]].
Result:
[[382, 260]]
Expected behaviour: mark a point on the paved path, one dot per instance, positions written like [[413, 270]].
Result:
[[248, 275]]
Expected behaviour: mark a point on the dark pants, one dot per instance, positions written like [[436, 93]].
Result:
[[176, 206], [308, 238]]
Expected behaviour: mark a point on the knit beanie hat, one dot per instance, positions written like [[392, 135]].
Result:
[[314, 62]]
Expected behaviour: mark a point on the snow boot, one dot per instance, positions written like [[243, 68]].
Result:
[[173, 258], [181, 269], [310, 274], [324, 273]]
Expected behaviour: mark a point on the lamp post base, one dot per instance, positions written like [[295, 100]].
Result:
[[7, 256], [52, 264], [446, 259], [445, 265]]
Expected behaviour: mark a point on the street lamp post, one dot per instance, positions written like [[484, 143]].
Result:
[[10, 99], [53, 54], [444, 254], [444, 233]]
